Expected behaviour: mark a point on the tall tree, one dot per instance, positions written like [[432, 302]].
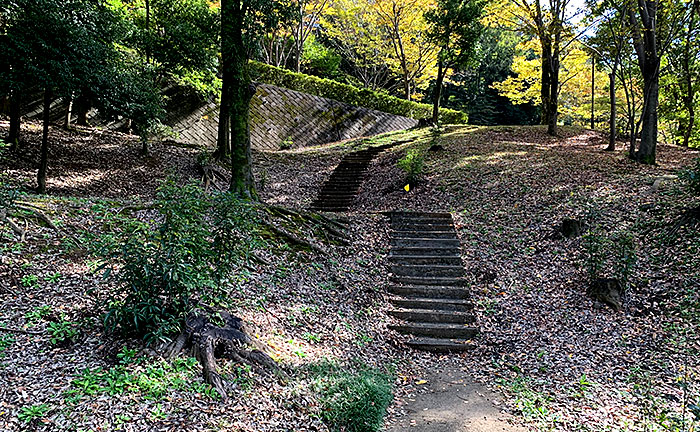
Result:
[[404, 25], [243, 22], [550, 23], [349, 28], [454, 26], [681, 85], [654, 25]]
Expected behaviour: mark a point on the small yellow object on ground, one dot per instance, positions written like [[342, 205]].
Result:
[[407, 187]]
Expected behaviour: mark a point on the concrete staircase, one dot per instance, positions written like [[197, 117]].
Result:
[[427, 285], [339, 191]]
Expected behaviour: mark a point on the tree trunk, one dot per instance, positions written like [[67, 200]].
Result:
[[15, 115], [554, 97], [223, 139], [69, 113], [239, 92], [592, 92], [44, 161], [82, 106], [613, 112], [438, 93], [649, 136], [550, 86], [242, 182]]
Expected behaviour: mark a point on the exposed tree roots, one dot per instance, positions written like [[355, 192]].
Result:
[[207, 341], [316, 224]]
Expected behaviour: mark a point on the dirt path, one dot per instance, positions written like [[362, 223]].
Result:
[[451, 402]]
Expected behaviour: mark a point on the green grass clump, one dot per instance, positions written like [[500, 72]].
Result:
[[353, 401]]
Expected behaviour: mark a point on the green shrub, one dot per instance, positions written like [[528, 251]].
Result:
[[412, 164], [351, 95], [691, 177], [166, 271], [355, 402]]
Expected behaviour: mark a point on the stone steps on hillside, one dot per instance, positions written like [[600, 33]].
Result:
[[338, 193], [430, 303], [429, 292]]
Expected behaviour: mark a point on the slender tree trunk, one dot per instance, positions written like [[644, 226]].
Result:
[[15, 115], [546, 79], [613, 111], [438, 92], [223, 140], [44, 158], [69, 113], [592, 92], [554, 96]]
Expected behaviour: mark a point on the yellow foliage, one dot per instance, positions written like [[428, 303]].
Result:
[[574, 79]]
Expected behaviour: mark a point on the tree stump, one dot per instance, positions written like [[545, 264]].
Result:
[[571, 228], [608, 291], [218, 334]]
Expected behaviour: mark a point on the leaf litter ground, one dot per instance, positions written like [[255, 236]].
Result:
[[562, 361]]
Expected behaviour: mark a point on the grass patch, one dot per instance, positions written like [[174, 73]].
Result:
[[353, 401]]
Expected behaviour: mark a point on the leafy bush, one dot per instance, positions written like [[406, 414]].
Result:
[[166, 272], [691, 177], [356, 402], [319, 60], [351, 95], [412, 164]]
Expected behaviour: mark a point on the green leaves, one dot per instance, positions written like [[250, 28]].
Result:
[[412, 164], [167, 270]]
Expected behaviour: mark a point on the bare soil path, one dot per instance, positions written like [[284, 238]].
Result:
[[451, 402]]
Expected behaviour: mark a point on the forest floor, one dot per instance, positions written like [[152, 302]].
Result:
[[559, 360]]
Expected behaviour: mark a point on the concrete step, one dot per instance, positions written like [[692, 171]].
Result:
[[436, 330], [458, 305], [334, 183], [430, 270], [448, 251], [425, 259], [421, 225], [440, 345], [430, 291], [330, 209], [433, 316], [412, 216], [424, 242], [428, 280], [338, 193], [419, 233]]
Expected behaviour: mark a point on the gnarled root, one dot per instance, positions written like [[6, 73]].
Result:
[[209, 341]]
